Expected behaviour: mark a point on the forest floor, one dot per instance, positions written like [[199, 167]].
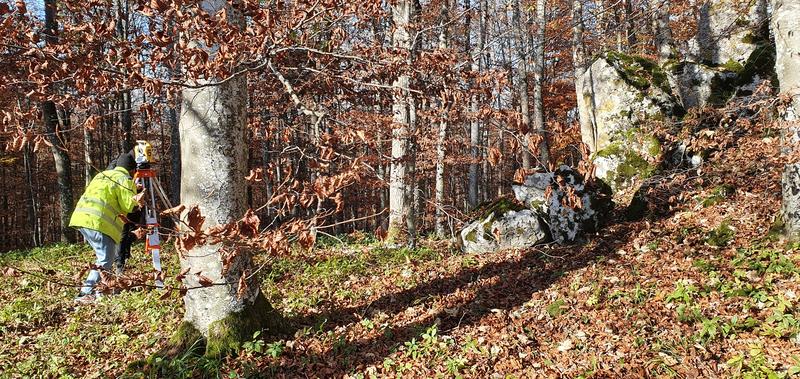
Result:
[[698, 289]]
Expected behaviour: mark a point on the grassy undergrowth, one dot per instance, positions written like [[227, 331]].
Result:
[[700, 292], [44, 335]]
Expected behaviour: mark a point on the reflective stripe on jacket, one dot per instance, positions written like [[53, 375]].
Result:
[[109, 194]]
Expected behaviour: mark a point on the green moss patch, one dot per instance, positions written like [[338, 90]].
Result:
[[760, 63], [500, 207], [638, 71], [632, 163]]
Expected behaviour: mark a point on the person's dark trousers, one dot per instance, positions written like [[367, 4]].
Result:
[[127, 240]]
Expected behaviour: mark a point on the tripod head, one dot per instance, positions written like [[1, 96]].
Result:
[[143, 154]]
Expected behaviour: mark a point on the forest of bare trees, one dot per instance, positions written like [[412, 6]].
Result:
[[418, 111]]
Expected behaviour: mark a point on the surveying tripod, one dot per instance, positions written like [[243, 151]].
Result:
[[148, 180]]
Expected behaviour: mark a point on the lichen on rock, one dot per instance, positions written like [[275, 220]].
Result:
[[503, 224], [622, 95], [728, 30]]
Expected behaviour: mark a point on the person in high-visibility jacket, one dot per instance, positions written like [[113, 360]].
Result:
[[128, 237], [97, 216]]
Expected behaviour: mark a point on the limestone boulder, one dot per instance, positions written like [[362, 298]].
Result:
[[571, 207], [729, 31], [619, 95], [533, 192], [504, 225], [698, 85]]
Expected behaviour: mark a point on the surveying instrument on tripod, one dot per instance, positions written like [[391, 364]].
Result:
[[147, 179]]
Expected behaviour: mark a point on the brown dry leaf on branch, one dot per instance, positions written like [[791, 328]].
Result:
[[494, 156], [204, 280], [249, 224], [174, 211], [182, 274], [140, 233]]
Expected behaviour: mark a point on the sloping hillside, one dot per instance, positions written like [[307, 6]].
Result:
[[697, 289]]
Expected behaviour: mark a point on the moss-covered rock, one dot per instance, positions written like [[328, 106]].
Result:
[[639, 71], [503, 224], [624, 97], [621, 92], [728, 31], [632, 156]]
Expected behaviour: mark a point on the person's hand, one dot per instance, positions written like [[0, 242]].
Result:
[[139, 199]]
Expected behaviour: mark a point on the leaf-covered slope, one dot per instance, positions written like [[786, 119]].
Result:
[[696, 289]]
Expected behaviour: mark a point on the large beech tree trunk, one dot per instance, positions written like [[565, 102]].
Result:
[[214, 157], [785, 25], [399, 176]]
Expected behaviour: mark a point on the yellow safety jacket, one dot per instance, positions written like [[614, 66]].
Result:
[[109, 194]]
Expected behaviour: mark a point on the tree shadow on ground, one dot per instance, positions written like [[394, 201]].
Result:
[[518, 279]]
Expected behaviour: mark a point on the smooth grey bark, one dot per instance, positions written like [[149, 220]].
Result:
[[55, 139], [399, 176], [663, 38], [538, 79], [578, 49], [413, 194], [63, 169], [32, 205], [522, 81], [475, 126], [88, 164], [175, 155], [212, 124], [214, 163], [441, 135], [486, 180], [785, 26], [124, 98]]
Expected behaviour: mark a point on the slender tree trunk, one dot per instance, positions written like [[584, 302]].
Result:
[[63, 169], [88, 164], [441, 136], [175, 155], [32, 205], [124, 97], [475, 125], [212, 121], [109, 134], [522, 82], [663, 38], [399, 177], [588, 134], [54, 137], [175, 132], [630, 30], [785, 26], [538, 79], [413, 194]]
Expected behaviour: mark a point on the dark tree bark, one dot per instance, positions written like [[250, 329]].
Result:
[[56, 139]]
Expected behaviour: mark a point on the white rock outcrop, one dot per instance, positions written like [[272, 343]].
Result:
[[728, 31], [501, 229], [618, 93]]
